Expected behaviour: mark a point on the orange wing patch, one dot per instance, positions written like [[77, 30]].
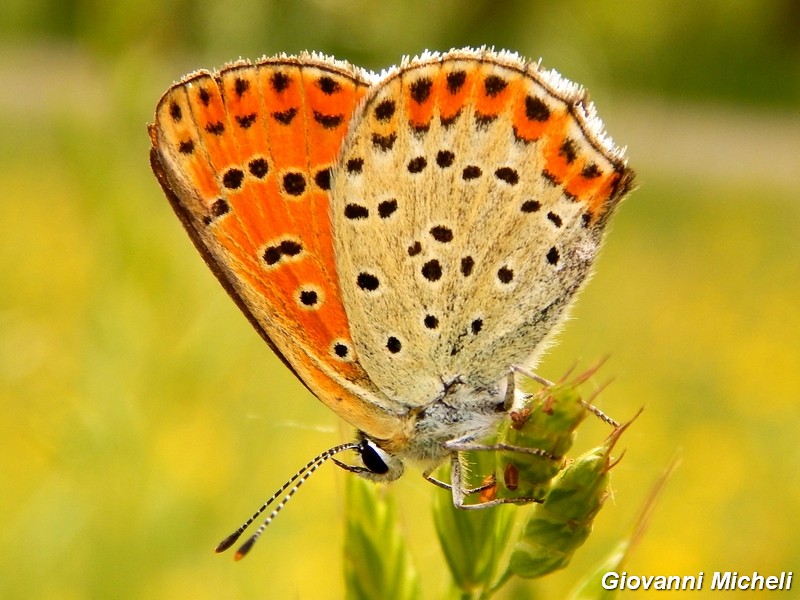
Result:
[[245, 156], [420, 97], [494, 91], [453, 87]]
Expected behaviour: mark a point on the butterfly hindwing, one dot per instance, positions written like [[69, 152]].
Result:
[[460, 264]]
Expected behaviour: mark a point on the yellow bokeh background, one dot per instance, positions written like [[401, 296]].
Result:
[[142, 418]]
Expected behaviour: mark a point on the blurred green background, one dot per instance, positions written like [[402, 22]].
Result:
[[142, 418]]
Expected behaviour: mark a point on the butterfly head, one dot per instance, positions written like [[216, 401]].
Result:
[[379, 465]]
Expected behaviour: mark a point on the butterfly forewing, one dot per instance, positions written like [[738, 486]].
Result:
[[245, 157], [461, 263]]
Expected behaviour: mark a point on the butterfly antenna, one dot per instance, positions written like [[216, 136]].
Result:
[[300, 477]]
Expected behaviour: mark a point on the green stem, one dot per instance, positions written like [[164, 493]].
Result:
[[496, 587]]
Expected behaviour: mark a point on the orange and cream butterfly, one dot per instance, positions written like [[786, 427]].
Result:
[[404, 242]]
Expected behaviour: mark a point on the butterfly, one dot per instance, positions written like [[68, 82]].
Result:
[[403, 241]]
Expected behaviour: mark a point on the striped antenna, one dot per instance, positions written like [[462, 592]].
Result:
[[300, 477]]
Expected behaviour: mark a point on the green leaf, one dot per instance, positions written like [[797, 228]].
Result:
[[377, 563]]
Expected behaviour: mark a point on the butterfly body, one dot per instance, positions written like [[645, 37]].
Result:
[[402, 241]]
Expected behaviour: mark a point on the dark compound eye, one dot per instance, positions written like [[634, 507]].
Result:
[[372, 459]]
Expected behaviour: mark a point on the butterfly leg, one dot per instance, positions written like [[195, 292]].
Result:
[[531, 375], [446, 486], [460, 494], [587, 404], [462, 445], [467, 443]]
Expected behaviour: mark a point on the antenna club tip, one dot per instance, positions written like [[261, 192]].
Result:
[[300, 477], [245, 548], [227, 542]]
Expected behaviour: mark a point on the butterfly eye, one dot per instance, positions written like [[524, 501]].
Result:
[[374, 458]]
